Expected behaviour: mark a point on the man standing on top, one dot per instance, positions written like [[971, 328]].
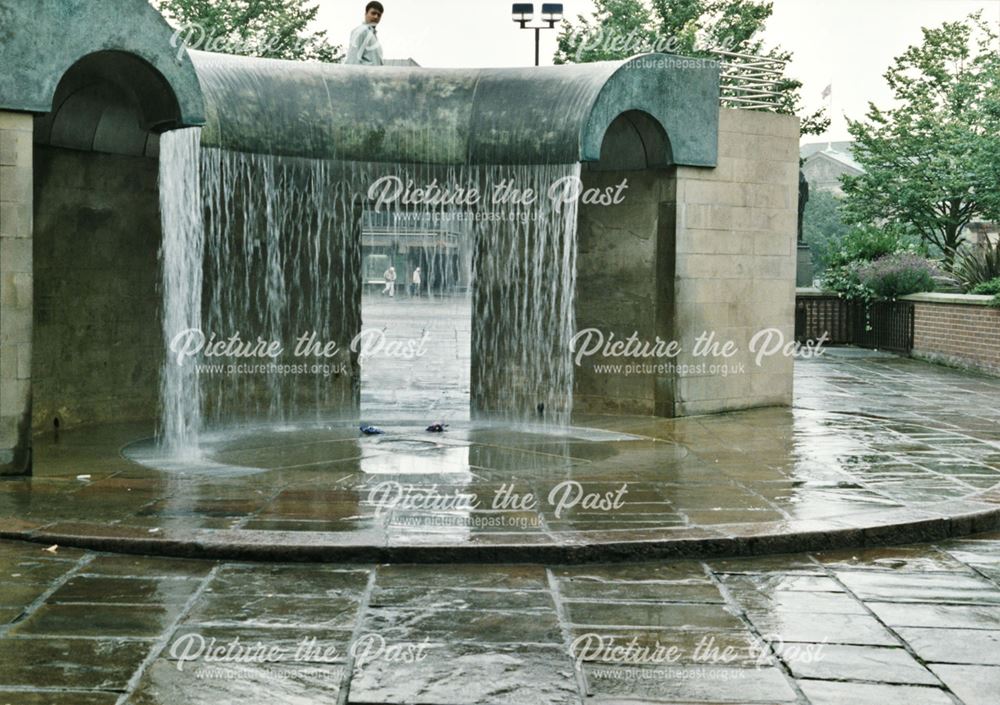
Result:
[[365, 48]]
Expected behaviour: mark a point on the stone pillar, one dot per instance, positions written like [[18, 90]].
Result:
[[15, 292], [736, 264]]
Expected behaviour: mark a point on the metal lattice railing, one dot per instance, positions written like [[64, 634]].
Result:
[[883, 325], [750, 82]]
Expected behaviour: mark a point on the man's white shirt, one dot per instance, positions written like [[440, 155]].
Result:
[[365, 47]]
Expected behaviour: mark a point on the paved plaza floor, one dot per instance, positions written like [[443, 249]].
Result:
[[434, 382], [916, 625]]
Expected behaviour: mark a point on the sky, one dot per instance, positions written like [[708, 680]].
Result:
[[846, 43]]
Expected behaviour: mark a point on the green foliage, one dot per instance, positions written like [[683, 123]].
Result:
[[860, 246], [844, 280], [619, 29], [895, 275], [932, 160], [275, 29], [987, 288], [823, 227], [866, 243], [888, 277], [978, 265]]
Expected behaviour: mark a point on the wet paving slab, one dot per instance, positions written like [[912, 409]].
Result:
[[889, 625], [860, 460]]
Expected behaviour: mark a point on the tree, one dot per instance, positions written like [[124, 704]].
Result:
[[275, 29], [932, 160], [619, 29], [823, 227]]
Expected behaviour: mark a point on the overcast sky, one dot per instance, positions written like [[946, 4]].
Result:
[[848, 43]]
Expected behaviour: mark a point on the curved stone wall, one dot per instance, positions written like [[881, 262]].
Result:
[[548, 115]]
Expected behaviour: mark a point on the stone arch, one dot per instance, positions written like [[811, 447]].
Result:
[[111, 102], [634, 140], [96, 238], [626, 263], [59, 37]]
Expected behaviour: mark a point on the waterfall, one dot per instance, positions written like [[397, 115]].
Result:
[[525, 295], [181, 256], [268, 248], [282, 252]]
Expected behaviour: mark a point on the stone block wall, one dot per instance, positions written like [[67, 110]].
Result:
[[695, 252], [16, 290], [624, 289], [736, 263]]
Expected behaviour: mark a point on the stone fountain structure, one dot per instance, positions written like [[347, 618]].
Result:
[[703, 243]]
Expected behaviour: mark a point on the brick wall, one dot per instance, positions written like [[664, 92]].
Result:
[[962, 334]]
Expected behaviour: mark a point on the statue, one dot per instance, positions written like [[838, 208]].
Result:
[[803, 199]]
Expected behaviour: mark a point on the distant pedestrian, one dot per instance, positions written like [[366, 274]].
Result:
[[365, 48], [415, 283], [390, 281]]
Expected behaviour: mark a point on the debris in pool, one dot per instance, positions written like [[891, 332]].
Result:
[[437, 427], [371, 430]]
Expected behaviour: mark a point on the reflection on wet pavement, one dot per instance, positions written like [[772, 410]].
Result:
[[841, 460], [901, 625]]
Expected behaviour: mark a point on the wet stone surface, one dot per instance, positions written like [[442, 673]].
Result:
[[860, 454], [888, 626], [917, 624]]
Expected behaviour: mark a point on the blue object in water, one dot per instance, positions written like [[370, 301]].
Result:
[[371, 430]]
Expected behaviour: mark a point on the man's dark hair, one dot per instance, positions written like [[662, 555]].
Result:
[[375, 5]]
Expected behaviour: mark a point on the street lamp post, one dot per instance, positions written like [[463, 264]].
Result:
[[524, 12]]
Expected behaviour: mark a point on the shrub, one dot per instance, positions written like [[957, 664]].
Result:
[[860, 247], [990, 287], [844, 280], [897, 275], [865, 244], [978, 265], [887, 277]]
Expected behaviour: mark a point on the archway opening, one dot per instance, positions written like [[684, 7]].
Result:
[[97, 340], [625, 270]]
